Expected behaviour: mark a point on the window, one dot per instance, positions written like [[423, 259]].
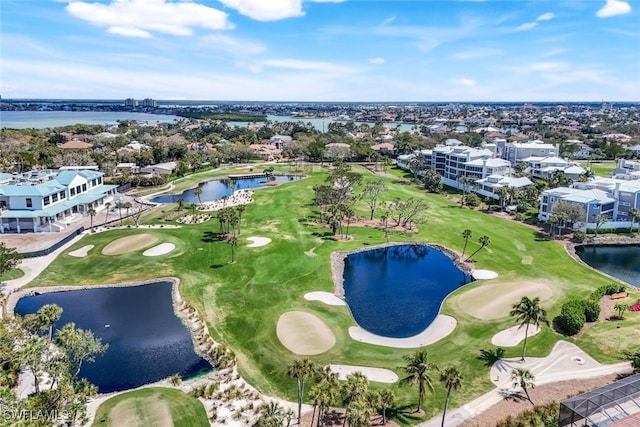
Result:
[[46, 201], [54, 197], [84, 187], [29, 202], [73, 192], [78, 189], [62, 195]]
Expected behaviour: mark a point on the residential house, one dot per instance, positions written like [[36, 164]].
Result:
[[160, 169]]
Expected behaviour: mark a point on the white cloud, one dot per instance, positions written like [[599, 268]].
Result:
[[527, 26], [139, 18], [463, 81], [376, 60], [266, 10], [545, 17], [300, 65], [232, 45], [613, 8], [476, 53]]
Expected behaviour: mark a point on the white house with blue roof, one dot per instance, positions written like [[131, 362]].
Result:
[[48, 200]]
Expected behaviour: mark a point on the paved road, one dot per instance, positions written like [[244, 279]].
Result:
[[566, 361]]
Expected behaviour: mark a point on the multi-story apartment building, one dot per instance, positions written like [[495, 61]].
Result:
[[601, 196], [454, 161], [516, 152], [46, 200]]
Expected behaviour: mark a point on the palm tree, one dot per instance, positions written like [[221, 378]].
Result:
[[634, 214], [502, 194], [271, 415], [198, 192], [240, 209], [466, 234], [49, 314], [621, 307], [91, 212], [120, 206], [127, 206], [328, 387], [484, 241], [417, 370], [300, 369], [354, 389], [525, 379], [233, 242], [452, 379], [180, 203], [359, 413], [387, 399], [106, 211], [528, 311]]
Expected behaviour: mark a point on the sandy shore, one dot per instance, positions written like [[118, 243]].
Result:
[[441, 327]]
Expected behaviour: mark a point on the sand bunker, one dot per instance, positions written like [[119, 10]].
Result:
[[161, 249], [494, 300], [256, 242], [373, 374], [442, 326], [325, 297], [82, 252], [129, 244], [513, 336], [484, 274], [304, 333]]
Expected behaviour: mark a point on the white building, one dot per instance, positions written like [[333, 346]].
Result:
[[454, 161], [545, 167], [600, 196], [48, 200], [516, 152]]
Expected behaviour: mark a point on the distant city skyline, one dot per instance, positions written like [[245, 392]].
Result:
[[322, 50]]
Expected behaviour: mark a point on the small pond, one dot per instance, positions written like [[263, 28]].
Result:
[[217, 189], [621, 262], [397, 291], [147, 341]]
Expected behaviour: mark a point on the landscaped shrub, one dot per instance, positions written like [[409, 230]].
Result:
[[591, 310], [572, 317], [579, 236], [610, 289]]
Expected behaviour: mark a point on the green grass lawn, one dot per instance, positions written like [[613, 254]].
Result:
[[243, 301], [600, 168], [14, 273], [151, 406]]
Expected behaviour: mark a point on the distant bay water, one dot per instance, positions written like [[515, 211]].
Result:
[[52, 119]]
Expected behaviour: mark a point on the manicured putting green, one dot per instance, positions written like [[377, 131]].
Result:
[[494, 300], [154, 406], [127, 244], [304, 333]]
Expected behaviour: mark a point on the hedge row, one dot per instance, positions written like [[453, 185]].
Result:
[[576, 311]]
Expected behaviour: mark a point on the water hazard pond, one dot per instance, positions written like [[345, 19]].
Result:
[[147, 341], [621, 262], [397, 291], [218, 188]]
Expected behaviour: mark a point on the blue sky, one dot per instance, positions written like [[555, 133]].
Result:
[[322, 50]]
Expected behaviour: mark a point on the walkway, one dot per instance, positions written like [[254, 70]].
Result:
[[565, 362]]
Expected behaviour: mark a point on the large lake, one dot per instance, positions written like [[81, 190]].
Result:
[[217, 189], [147, 341], [397, 291], [621, 262]]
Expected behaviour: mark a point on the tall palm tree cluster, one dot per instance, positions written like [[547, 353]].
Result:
[[483, 240], [230, 220], [353, 393]]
